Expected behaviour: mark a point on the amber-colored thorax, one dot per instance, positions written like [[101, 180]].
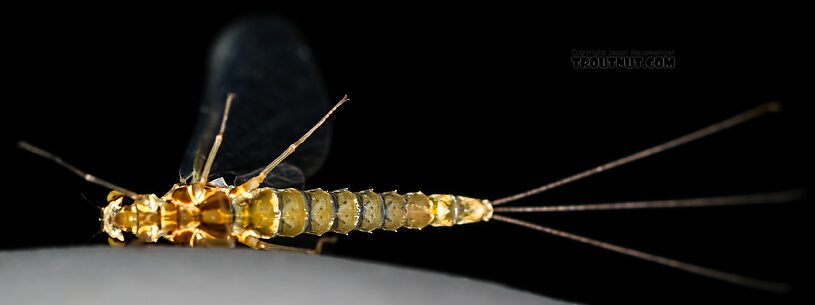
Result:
[[191, 215]]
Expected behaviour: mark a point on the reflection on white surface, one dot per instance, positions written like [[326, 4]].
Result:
[[167, 275]]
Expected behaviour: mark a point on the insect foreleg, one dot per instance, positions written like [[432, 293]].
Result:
[[218, 139], [256, 181], [88, 177]]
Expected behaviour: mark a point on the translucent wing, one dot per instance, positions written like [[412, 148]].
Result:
[[279, 96]]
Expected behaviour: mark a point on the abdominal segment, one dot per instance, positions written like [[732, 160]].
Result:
[[291, 212]]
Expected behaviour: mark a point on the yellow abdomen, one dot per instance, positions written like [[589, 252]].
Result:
[[290, 212]]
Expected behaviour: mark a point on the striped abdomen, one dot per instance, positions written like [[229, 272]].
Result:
[[291, 212]]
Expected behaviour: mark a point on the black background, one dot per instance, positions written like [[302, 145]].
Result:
[[482, 103]]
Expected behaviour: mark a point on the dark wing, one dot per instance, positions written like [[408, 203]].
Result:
[[279, 96]]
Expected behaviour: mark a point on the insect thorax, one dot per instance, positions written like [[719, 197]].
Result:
[[191, 215]]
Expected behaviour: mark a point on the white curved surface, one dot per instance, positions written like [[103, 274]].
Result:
[[168, 275]]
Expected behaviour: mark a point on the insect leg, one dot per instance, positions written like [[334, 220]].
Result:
[[250, 239], [115, 243], [218, 139], [318, 248], [255, 243], [257, 180], [88, 177]]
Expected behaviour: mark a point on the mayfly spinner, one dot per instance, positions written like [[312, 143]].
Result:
[[204, 212], [214, 214]]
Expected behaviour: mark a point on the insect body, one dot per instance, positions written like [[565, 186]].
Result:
[[200, 212], [214, 214], [209, 215]]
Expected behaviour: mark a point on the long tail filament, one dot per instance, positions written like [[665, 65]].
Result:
[[763, 198], [711, 273], [733, 121]]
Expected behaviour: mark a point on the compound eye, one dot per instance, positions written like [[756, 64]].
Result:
[[113, 195]]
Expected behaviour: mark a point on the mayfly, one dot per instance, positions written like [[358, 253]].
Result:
[[266, 202]]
